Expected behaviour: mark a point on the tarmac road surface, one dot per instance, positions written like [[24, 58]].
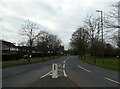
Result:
[[73, 73]]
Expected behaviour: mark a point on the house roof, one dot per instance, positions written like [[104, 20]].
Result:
[[6, 43]]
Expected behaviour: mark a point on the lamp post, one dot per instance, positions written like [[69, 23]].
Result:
[[118, 28], [101, 33]]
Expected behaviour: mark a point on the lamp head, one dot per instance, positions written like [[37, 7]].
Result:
[[98, 11]]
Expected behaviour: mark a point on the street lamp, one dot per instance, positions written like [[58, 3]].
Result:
[[101, 31]]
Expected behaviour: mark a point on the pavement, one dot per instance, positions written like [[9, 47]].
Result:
[[73, 73]]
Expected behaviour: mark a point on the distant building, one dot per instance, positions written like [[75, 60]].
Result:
[[7, 47], [10, 48], [23, 48]]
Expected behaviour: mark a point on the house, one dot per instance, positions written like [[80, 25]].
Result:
[[8, 47], [23, 48]]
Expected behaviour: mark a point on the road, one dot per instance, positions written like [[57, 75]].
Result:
[[74, 73]]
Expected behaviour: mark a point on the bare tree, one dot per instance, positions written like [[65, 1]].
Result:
[[31, 31], [79, 41], [23, 43], [93, 26], [42, 41], [47, 42], [112, 18], [112, 21], [54, 43]]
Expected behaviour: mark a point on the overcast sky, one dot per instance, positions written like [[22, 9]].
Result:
[[61, 17]]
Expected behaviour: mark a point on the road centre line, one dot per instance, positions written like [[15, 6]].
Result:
[[104, 77], [84, 69], [112, 80], [46, 74]]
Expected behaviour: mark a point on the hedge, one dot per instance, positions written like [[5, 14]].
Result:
[[18, 56]]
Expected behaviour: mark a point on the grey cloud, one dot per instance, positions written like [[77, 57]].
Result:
[[60, 16]]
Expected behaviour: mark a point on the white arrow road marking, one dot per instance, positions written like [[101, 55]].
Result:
[[84, 69], [64, 73], [63, 65], [64, 68], [112, 80], [46, 74]]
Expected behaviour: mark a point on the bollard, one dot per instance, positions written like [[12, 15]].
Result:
[[55, 70]]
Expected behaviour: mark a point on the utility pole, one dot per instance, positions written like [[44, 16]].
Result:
[[102, 34]]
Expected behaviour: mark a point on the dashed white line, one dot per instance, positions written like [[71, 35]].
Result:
[[46, 74], [84, 69], [112, 80], [104, 77]]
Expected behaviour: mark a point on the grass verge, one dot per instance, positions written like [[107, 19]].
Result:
[[111, 63], [12, 63]]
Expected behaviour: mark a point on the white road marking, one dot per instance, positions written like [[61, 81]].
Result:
[[60, 70], [59, 65], [46, 74], [84, 69], [112, 80], [64, 61], [63, 65], [64, 73]]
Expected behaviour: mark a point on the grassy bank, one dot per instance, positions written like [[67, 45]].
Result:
[[11, 63], [109, 63]]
